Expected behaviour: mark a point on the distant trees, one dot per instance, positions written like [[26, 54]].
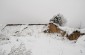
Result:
[[58, 19]]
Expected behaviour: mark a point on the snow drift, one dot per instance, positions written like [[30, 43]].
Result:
[[30, 40]]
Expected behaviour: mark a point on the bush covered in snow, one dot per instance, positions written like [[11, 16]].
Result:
[[58, 19]]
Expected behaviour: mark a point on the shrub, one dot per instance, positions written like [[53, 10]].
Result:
[[58, 19]]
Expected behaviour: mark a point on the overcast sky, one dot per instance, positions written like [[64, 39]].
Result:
[[41, 11]]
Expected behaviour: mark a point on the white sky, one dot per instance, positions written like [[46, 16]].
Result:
[[41, 11]]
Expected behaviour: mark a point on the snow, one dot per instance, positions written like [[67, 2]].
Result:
[[30, 40]]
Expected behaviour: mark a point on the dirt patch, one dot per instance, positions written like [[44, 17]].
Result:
[[75, 35], [52, 28]]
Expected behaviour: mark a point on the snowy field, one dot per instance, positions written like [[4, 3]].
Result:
[[30, 40]]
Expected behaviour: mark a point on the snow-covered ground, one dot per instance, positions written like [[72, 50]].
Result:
[[30, 40]]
